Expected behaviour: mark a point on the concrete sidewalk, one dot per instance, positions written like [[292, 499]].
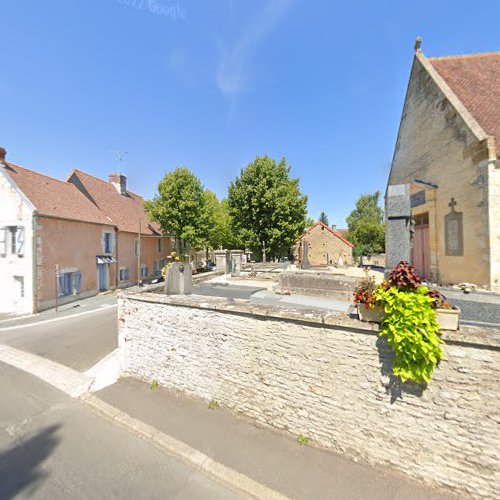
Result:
[[271, 458]]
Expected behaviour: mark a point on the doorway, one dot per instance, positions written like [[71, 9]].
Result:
[[103, 277], [421, 249]]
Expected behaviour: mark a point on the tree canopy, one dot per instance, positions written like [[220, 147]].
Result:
[[323, 218], [179, 207], [366, 226], [219, 224], [267, 206]]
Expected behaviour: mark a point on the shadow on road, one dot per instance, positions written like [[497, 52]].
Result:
[[20, 467]]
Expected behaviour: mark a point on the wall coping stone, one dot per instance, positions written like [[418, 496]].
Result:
[[468, 336]]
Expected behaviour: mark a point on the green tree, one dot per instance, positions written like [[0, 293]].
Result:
[[366, 226], [309, 222], [323, 218], [267, 206], [218, 223], [179, 208]]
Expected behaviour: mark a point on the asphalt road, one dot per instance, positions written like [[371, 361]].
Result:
[[78, 341], [52, 446]]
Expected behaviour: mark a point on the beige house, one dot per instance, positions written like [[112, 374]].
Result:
[[63, 241], [448, 151], [325, 246]]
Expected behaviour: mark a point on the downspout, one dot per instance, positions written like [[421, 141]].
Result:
[[117, 260], [34, 262]]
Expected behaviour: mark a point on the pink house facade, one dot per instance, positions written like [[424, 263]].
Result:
[[67, 240]]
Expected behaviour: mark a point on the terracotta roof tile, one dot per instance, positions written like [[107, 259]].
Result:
[[124, 211], [475, 80], [54, 197]]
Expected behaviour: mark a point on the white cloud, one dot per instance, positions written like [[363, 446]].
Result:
[[234, 73]]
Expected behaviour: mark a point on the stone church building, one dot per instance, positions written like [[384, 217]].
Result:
[[448, 150], [325, 246]]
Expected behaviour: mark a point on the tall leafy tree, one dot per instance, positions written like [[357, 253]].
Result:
[[179, 208], [323, 218], [218, 223], [267, 206], [309, 222], [366, 225]]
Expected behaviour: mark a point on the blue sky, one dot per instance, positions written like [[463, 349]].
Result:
[[211, 84]]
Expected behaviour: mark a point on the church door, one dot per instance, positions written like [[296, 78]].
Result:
[[421, 251]]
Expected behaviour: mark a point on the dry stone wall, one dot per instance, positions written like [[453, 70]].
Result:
[[330, 382]]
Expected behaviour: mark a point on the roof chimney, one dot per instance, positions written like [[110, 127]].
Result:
[[120, 183], [334, 227], [3, 153]]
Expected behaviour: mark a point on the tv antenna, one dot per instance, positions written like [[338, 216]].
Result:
[[120, 155]]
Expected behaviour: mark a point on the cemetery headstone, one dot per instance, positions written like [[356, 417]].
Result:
[[221, 261], [179, 279], [305, 255], [235, 258]]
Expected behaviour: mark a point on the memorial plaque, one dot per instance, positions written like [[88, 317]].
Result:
[[454, 231]]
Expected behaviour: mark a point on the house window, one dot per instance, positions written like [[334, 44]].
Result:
[[136, 248], [69, 283], [160, 245], [12, 241], [124, 276], [108, 243], [144, 271]]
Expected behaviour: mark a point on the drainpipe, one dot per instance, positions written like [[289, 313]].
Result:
[[34, 262], [117, 260]]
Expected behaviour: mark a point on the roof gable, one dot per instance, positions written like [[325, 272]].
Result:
[[335, 232], [55, 198], [124, 210], [475, 80]]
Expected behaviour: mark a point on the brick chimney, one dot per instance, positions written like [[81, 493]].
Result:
[[3, 153], [120, 183]]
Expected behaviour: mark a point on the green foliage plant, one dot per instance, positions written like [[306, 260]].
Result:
[[302, 440], [154, 385], [213, 405], [412, 332]]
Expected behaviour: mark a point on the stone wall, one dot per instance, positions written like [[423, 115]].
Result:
[[327, 377]]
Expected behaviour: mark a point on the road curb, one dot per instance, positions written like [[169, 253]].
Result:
[[183, 451]]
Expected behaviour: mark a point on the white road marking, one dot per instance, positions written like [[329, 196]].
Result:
[[69, 316]]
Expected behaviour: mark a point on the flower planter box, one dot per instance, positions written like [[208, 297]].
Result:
[[448, 318], [375, 314]]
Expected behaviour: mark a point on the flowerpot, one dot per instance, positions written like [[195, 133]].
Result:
[[375, 314], [448, 318]]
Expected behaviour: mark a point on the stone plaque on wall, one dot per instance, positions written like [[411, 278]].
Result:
[[454, 231]]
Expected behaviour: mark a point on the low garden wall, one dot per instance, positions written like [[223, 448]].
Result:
[[328, 378]]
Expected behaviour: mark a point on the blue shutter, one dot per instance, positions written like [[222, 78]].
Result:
[[78, 281], [61, 285]]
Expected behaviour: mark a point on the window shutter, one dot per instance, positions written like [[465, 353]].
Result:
[[3, 242], [20, 241], [61, 285], [78, 281]]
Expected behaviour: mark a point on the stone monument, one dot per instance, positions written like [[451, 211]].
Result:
[[179, 279], [454, 231], [221, 261], [305, 256], [398, 227], [235, 260]]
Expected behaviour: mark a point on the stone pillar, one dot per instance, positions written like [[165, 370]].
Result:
[[305, 255], [221, 261], [235, 257], [398, 226]]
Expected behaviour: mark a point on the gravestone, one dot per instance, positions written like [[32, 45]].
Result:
[[305, 256], [179, 279], [235, 259], [454, 231], [398, 226], [221, 261]]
